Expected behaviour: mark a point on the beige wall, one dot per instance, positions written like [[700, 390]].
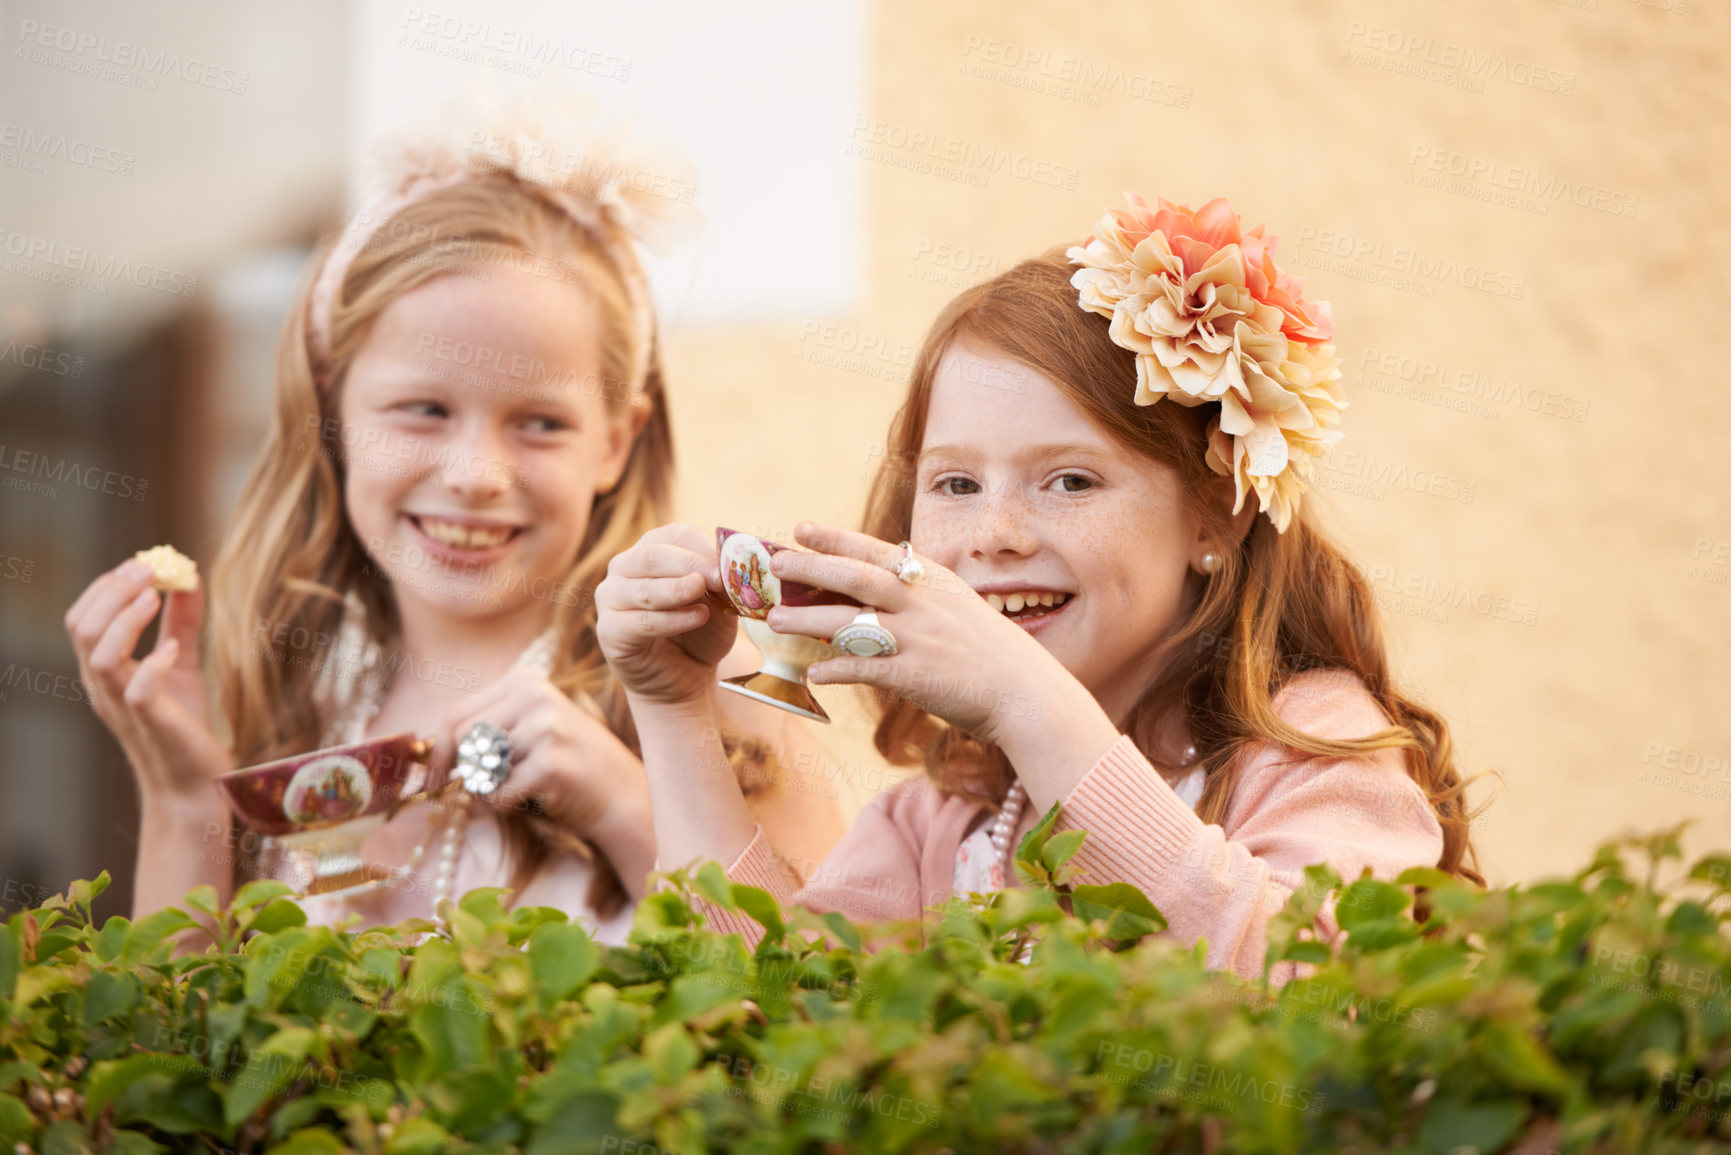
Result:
[[1589, 526]]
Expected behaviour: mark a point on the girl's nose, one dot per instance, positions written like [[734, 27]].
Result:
[[1004, 526], [478, 466]]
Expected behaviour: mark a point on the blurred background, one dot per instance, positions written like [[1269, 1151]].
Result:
[[1513, 205]]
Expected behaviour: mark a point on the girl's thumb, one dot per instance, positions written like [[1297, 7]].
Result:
[[141, 691]]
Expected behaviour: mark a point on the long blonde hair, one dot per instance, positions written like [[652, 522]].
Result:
[[1279, 603], [292, 560]]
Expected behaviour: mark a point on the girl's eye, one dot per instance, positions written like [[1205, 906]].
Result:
[[1075, 483], [546, 424], [427, 409], [958, 486]]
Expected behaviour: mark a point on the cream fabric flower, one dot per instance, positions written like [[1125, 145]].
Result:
[[1212, 319]]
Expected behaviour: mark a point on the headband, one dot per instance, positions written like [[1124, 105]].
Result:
[[548, 139], [1212, 319]]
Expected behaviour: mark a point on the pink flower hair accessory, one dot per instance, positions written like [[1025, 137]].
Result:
[[1212, 319], [620, 190]]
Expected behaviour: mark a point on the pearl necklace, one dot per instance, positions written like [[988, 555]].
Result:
[[352, 727], [1004, 824]]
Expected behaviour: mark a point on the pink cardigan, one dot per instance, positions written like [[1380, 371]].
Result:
[[1222, 883]]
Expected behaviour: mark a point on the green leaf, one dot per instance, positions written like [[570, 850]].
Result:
[[108, 1079], [310, 1141], [712, 883], [1127, 912], [843, 930], [761, 905], [135, 1143], [671, 1052], [486, 903], [109, 940], [1426, 876], [452, 1029], [108, 994], [562, 956], [257, 893], [691, 995], [1691, 918], [1714, 870], [1369, 900], [11, 961], [53, 943], [64, 1138], [466, 929], [1033, 874], [579, 1125], [1519, 1058], [1304, 951], [83, 893], [204, 899], [16, 1124], [1060, 848], [1033, 843], [1450, 1127], [176, 1106], [149, 931], [352, 1018], [419, 1136], [278, 915], [274, 1065], [37, 983]]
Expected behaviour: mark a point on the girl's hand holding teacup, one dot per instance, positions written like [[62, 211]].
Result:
[[955, 657], [656, 624]]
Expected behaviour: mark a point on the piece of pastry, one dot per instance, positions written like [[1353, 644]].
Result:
[[170, 569]]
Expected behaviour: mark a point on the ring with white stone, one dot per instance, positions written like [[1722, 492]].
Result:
[[483, 758], [908, 567], [865, 637]]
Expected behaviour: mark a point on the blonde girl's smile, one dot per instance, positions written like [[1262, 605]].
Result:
[[467, 539], [500, 482]]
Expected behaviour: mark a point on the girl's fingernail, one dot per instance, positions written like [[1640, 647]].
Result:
[[134, 569]]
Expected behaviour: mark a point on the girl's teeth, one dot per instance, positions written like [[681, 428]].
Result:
[[463, 536], [1015, 603]]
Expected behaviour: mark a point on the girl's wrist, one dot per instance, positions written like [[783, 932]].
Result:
[[1054, 747], [185, 819], [183, 808], [701, 709], [625, 833]]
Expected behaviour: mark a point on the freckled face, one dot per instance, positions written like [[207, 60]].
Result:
[[476, 439], [1020, 493]]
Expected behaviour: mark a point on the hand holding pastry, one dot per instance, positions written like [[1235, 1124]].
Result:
[[155, 706]]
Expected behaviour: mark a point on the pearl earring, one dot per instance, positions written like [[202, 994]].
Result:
[[1210, 562]]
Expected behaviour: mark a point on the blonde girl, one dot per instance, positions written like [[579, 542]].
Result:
[[470, 422], [1084, 607]]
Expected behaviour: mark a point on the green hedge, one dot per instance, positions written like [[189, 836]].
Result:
[[1587, 1014]]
